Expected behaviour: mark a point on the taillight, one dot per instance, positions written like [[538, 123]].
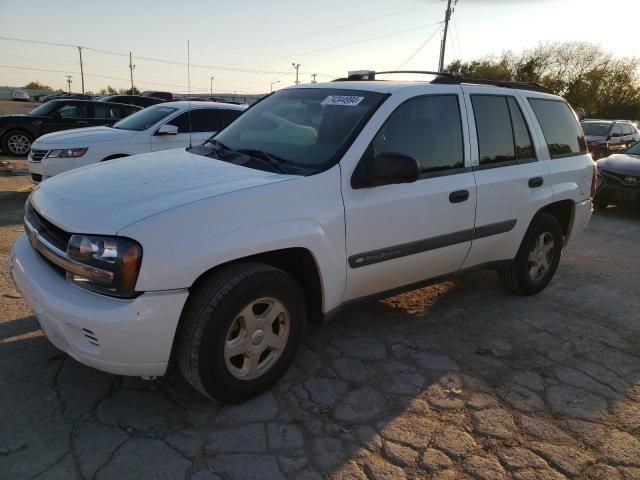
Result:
[[594, 180]]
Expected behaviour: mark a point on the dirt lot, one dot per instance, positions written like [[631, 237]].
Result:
[[459, 380]]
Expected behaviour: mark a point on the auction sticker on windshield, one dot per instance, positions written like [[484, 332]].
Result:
[[344, 100]]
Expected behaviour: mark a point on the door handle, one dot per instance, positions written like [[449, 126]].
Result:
[[459, 196], [536, 182]]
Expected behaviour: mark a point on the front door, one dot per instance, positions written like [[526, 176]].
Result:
[[400, 234], [68, 115]]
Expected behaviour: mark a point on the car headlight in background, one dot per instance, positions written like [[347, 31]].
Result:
[[113, 264], [68, 152]]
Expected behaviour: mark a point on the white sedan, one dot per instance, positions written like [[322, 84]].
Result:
[[159, 127]]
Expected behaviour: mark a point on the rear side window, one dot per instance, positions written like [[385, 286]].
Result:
[[202, 120], [560, 127], [502, 131], [229, 115], [426, 128]]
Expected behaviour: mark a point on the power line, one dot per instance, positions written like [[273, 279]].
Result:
[[366, 40], [424, 44], [306, 34]]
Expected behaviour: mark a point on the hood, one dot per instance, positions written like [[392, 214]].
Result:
[[79, 137], [621, 163], [105, 197], [595, 139]]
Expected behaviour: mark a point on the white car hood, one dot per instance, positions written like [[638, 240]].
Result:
[[104, 198], [83, 137]]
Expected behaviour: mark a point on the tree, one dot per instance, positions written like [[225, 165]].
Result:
[[109, 90], [129, 91], [583, 73], [37, 86]]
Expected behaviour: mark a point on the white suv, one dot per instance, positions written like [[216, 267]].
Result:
[[159, 127], [316, 197]]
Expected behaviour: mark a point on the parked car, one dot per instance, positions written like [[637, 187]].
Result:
[[159, 127], [167, 96], [619, 179], [20, 95], [605, 137], [316, 197], [17, 132], [137, 100]]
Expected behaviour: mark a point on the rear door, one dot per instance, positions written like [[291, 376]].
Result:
[[195, 127], [512, 181]]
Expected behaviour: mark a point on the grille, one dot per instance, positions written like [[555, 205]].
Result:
[[36, 177], [37, 155], [54, 235]]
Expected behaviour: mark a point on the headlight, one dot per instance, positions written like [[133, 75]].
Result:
[[113, 264], [68, 153]]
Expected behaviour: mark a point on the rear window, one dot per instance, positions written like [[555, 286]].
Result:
[[561, 130]]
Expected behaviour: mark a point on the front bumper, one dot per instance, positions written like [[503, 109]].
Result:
[[613, 189], [124, 337]]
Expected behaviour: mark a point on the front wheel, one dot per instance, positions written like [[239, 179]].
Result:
[[537, 259], [17, 143], [240, 330]]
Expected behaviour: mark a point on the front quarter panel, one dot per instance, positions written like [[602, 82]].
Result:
[[304, 212]]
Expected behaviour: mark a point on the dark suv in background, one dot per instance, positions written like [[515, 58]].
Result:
[[166, 96], [605, 137], [17, 132]]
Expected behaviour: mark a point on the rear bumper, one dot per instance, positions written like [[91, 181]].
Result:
[[581, 215], [124, 337]]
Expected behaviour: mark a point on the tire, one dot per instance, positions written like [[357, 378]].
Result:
[[526, 275], [17, 143], [213, 330]]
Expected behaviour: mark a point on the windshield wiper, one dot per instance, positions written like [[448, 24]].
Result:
[[274, 161]]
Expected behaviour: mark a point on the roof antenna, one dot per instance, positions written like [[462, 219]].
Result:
[[189, 88]]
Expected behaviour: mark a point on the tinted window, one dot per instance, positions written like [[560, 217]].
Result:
[[143, 119], [426, 128], [596, 129], [493, 123], [560, 127], [229, 116], [107, 111], [202, 120], [616, 131], [73, 110], [521, 135]]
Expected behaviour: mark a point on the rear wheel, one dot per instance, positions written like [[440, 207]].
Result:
[[537, 259], [240, 330], [17, 142]]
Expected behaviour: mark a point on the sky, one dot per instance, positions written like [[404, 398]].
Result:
[[248, 46]]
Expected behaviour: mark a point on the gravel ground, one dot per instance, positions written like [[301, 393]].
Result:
[[458, 380]]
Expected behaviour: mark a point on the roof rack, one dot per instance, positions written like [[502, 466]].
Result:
[[446, 78]]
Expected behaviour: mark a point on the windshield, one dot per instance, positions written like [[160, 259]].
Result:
[[43, 109], [304, 127], [633, 149], [144, 119], [595, 129]]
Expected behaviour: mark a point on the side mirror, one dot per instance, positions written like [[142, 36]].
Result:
[[167, 129], [386, 169]]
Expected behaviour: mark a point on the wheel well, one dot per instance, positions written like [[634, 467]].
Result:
[[297, 262], [563, 211], [113, 157]]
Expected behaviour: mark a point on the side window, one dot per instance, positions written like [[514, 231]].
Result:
[[521, 135], [182, 122], [75, 110], [426, 128], [560, 127], [229, 116], [616, 131], [626, 129], [503, 135]]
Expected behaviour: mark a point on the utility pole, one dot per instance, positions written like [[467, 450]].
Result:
[[297, 67], [131, 67], [81, 69], [443, 45], [69, 77], [211, 85], [313, 78]]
